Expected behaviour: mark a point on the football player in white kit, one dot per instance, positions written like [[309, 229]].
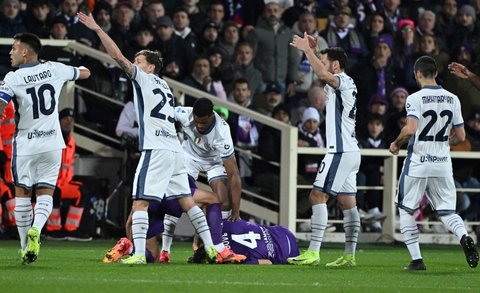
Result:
[[431, 114], [338, 171], [34, 90], [161, 170], [209, 148]]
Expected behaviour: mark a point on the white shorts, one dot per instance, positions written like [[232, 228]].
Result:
[[159, 174], [337, 173], [441, 193], [214, 171], [39, 170]]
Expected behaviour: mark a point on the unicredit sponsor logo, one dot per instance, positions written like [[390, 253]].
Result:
[[40, 133], [433, 159]]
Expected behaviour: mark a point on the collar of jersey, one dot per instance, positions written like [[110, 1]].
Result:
[[432, 87], [210, 128], [29, 64]]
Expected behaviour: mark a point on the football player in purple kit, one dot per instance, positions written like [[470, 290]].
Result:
[[163, 217], [259, 243]]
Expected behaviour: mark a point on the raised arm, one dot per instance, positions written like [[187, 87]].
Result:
[[308, 45], [461, 71], [108, 43]]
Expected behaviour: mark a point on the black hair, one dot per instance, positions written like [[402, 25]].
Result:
[[241, 80], [336, 54], [203, 107], [427, 66], [153, 57], [376, 117], [31, 40]]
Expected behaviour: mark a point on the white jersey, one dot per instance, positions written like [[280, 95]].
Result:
[[213, 146], [34, 90], [340, 118], [436, 110], [154, 105]]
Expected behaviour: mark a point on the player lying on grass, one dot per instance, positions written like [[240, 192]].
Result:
[[261, 244], [163, 217]]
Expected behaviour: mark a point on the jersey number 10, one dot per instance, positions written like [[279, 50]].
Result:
[[38, 100]]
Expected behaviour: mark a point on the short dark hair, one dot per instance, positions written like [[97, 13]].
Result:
[[202, 107], [241, 80], [152, 57], [31, 40], [376, 117], [427, 66], [336, 54]]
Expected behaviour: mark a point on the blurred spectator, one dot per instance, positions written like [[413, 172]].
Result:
[[209, 37], [466, 30], [274, 57], [181, 27], [292, 14], [398, 122], [272, 96], [197, 17], [376, 75], [137, 6], [58, 31], [177, 57], [121, 31], [306, 75], [103, 16], [341, 32], [220, 70], [142, 40], [445, 22], [267, 176], [426, 23], [404, 45], [199, 78], [216, 13], [391, 9], [316, 99], [371, 171], [230, 35], [76, 30], [243, 67], [378, 104], [398, 98], [11, 23], [375, 24], [38, 19], [467, 92], [153, 11], [244, 130]]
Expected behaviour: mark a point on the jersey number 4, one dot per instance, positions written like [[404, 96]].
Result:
[[156, 112], [441, 135], [38, 100], [249, 239]]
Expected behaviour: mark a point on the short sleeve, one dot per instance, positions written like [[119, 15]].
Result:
[[69, 72], [413, 107], [181, 115], [342, 82], [138, 75], [457, 120], [6, 88]]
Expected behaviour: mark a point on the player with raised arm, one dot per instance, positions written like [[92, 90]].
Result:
[[161, 170], [338, 170], [462, 71], [431, 114], [34, 90], [208, 148]]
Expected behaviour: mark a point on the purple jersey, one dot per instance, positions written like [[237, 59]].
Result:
[[274, 243]]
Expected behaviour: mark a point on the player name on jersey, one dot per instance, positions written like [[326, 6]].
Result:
[[37, 77], [437, 99]]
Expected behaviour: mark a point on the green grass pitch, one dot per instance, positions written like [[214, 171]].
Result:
[[77, 267]]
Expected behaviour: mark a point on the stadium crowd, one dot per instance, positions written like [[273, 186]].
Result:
[[238, 50]]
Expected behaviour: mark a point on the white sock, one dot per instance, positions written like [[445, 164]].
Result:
[[43, 209], [219, 247], [319, 223], [226, 214], [199, 222], [454, 224], [351, 226], [23, 217], [410, 233], [139, 231], [169, 224]]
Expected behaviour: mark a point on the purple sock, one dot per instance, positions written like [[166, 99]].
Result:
[[214, 220], [149, 256]]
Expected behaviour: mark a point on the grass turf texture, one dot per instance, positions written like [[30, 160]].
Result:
[[77, 267]]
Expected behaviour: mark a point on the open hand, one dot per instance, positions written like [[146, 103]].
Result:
[[458, 69], [88, 21], [303, 44]]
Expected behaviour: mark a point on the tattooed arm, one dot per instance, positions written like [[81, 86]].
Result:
[[108, 43]]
